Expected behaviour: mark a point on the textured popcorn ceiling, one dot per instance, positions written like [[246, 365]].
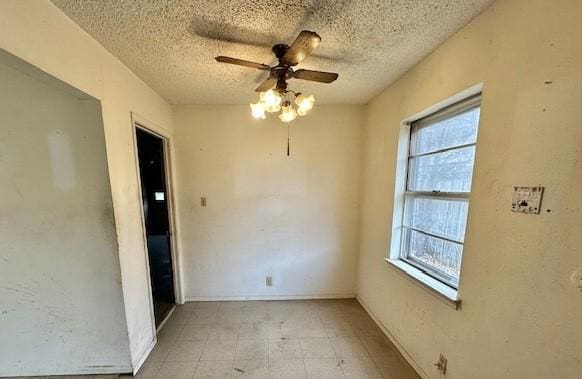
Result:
[[171, 44]]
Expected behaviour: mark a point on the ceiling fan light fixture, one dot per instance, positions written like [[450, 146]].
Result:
[[258, 111], [288, 114], [272, 100], [304, 103], [273, 108], [273, 91]]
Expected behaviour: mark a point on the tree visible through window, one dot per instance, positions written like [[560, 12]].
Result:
[[440, 168]]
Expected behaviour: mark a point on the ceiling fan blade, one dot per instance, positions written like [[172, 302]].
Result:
[[315, 76], [267, 84], [242, 62], [303, 45]]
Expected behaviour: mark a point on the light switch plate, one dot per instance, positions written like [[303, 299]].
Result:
[[527, 199]]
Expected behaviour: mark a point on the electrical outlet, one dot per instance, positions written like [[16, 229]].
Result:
[[269, 281], [203, 201], [441, 364]]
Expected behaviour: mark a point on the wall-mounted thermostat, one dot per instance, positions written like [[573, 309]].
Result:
[[527, 199]]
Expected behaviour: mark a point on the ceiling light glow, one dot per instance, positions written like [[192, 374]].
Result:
[[276, 100], [288, 114], [304, 103], [258, 111], [272, 100]]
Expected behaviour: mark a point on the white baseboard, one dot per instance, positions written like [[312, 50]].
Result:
[[62, 372], [143, 356], [165, 319], [267, 297], [394, 341]]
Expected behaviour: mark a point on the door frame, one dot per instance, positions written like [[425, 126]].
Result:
[[138, 122]]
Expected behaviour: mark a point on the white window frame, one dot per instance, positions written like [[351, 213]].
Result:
[[395, 256]]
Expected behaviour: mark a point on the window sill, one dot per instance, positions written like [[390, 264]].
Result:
[[443, 292]]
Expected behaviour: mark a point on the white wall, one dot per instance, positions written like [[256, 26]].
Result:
[[295, 218], [521, 313], [61, 308], [41, 34]]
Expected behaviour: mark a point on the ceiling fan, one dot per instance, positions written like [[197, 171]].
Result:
[[273, 91], [274, 100], [288, 57]]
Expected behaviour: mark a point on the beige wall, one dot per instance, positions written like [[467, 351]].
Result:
[[41, 34], [60, 283], [295, 218], [521, 313]]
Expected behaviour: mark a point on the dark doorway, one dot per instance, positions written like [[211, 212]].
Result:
[[152, 169]]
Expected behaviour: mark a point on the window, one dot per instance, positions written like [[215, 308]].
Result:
[[441, 152]]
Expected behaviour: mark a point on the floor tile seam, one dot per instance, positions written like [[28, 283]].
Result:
[[199, 363], [378, 368]]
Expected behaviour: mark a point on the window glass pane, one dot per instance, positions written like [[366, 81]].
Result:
[[458, 130], [443, 217], [442, 257], [448, 171]]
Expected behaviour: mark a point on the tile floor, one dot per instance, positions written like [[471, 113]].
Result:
[[273, 339]]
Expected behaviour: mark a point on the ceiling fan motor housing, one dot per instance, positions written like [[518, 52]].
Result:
[[279, 50], [282, 73]]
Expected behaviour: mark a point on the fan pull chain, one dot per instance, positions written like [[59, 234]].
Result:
[[288, 139]]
